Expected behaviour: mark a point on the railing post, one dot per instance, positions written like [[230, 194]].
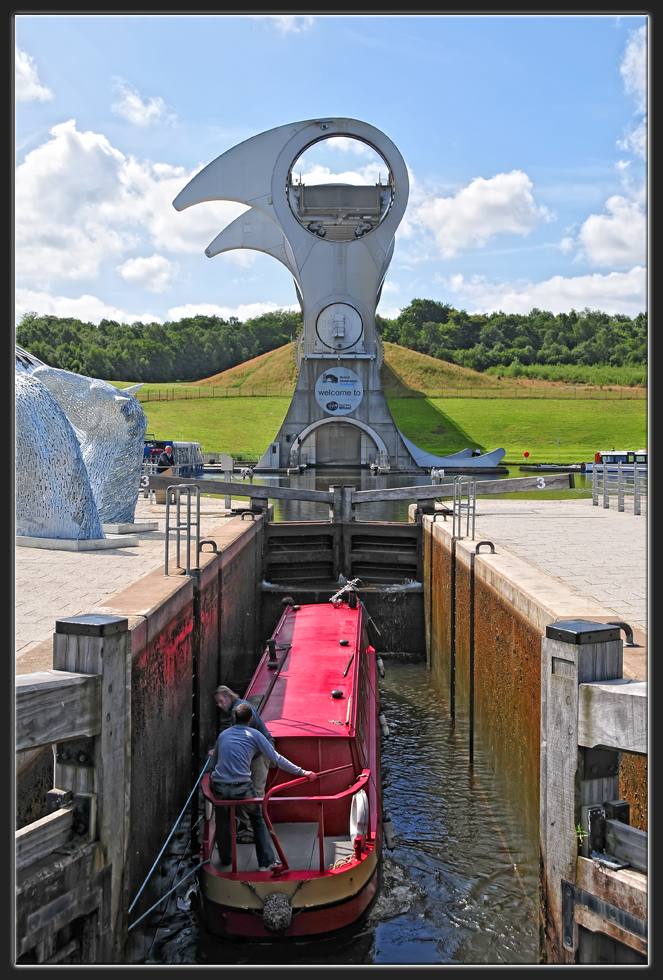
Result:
[[636, 490], [228, 464], [620, 487], [347, 503], [96, 644], [336, 506], [572, 652]]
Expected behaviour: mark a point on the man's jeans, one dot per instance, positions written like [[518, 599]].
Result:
[[243, 791], [259, 773]]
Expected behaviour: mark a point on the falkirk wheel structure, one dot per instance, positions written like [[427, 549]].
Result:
[[337, 241]]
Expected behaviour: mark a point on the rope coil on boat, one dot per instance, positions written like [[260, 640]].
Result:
[[341, 862]]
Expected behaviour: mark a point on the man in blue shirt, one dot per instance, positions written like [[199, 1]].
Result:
[[230, 779]]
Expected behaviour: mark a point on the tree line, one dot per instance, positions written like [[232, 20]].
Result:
[[201, 346], [180, 350], [486, 340]]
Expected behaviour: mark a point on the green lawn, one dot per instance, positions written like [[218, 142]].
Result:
[[522, 425], [221, 425], [439, 425]]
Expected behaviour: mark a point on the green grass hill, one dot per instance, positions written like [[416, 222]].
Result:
[[441, 407], [275, 369], [401, 369]]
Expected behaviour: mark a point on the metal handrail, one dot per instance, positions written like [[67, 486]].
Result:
[[605, 486], [369, 349], [359, 783], [268, 798], [468, 485], [181, 525]]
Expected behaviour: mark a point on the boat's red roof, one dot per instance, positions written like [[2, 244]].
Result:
[[300, 701]]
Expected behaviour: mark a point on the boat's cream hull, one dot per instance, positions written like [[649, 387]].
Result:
[[320, 905]]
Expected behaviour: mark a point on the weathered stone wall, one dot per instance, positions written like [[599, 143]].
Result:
[[505, 702], [513, 604], [633, 788], [239, 626]]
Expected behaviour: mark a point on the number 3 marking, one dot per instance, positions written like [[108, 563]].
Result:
[[540, 483]]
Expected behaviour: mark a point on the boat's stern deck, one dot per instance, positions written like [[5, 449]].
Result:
[[301, 847]]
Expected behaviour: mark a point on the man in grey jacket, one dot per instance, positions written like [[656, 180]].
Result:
[[230, 779]]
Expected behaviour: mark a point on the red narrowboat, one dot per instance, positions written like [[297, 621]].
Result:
[[316, 690]]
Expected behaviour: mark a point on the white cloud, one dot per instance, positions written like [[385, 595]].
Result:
[[618, 238], [635, 140], [27, 86], [388, 312], [287, 23], [617, 292], [243, 312], [242, 257], [89, 309], [80, 202], [60, 192], [480, 211], [339, 159], [154, 273], [347, 144], [139, 111], [633, 68], [416, 199], [318, 174], [149, 201]]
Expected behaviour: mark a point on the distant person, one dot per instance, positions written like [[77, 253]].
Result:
[[166, 459], [230, 779], [228, 701]]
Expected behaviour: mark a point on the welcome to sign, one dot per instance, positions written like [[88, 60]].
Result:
[[339, 391]]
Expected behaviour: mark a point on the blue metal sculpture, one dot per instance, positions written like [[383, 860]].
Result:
[[79, 450]]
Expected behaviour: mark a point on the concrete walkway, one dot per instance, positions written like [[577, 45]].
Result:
[[53, 585], [598, 553]]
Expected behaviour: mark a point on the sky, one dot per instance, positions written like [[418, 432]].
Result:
[[525, 139]]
